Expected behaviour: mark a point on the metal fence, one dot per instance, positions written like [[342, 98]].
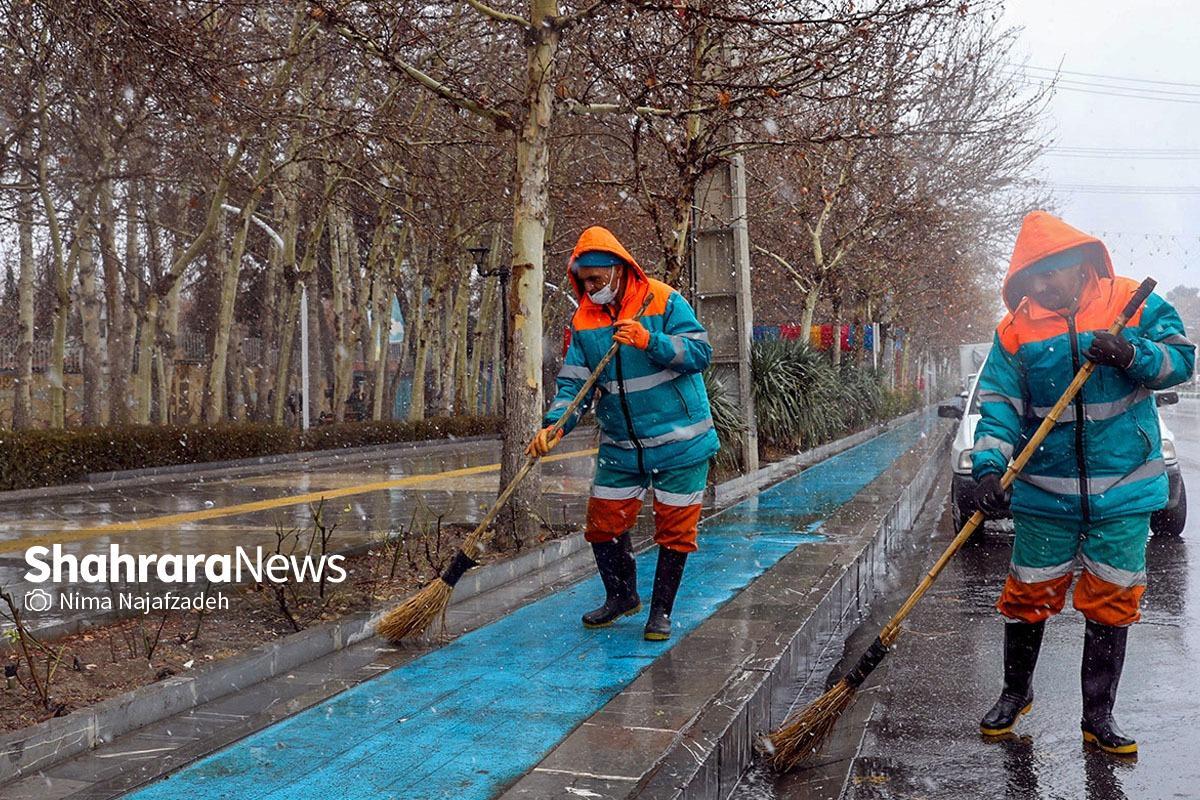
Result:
[[72, 361]]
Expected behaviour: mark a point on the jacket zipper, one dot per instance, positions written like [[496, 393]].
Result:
[[1080, 461], [637, 444]]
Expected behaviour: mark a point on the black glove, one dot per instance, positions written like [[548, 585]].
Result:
[[990, 496], [1111, 350]]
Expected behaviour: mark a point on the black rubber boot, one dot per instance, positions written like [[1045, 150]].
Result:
[[1103, 660], [1022, 641], [667, 576], [618, 570]]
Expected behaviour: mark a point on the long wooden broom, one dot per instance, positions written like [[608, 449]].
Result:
[[803, 733], [418, 612]]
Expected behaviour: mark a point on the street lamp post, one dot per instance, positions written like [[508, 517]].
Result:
[[480, 253]]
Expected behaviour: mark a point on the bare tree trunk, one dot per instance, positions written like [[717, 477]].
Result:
[[457, 355], [22, 398], [482, 335], [93, 349], [58, 342], [167, 336], [810, 308], [340, 267], [117, 349], [365, 278], [523, 384], [479, 342], [422, 326], [264, 376], [378, 345], [437, 357], [62, 276], [319, 367], [235, 403], [283, 366], [305, 276], [381, 296], [228, 267], [681, 228], [681, 223], [496, 393], [143, 378], [167, 286], [147, 314], [284, 332], [385, 389], [370, 327]]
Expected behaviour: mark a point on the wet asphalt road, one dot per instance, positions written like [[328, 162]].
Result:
[[915, 727], [375, 494]]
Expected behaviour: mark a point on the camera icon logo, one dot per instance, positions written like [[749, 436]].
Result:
[[38, 600]]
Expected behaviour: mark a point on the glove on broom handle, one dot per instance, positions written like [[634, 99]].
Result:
[[892, 629]]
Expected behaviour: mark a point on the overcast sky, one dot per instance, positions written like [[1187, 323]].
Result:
[[1140, 151]]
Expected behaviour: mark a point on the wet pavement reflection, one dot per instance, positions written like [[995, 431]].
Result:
[[433, 485], [918, 726]]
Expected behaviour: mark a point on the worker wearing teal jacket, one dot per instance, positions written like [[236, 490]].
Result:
[[1084, 499], [656, 428]]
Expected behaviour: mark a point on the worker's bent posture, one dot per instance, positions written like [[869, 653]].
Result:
[[1084, 499], [655, 425]]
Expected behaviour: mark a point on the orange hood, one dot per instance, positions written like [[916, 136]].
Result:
[[600, 238], [1042, 235]]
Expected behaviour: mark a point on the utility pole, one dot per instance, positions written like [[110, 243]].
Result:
[[720, 271]]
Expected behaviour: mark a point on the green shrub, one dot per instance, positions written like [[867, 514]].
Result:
[[801, 400], [32, 458], [726, 420], [898, 402]]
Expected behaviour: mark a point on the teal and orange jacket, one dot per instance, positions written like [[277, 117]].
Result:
[[653, 410], [1104, 457]]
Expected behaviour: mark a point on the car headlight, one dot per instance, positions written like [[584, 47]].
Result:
[[965, 464], [1168, 450]]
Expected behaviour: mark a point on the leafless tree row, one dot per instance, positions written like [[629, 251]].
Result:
[[172, 175]]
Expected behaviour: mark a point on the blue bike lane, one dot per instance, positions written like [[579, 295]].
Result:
[[467, 719]]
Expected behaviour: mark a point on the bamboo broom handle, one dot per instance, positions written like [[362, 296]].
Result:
[[892, 629], [472, 542]]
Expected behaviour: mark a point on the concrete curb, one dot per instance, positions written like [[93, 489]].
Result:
[[39, 746]]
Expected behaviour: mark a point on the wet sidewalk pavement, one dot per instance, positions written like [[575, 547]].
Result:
[[368, 495], [466, 719], [913, 733]]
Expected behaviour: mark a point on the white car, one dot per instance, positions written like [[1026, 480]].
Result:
[[1169, 520]]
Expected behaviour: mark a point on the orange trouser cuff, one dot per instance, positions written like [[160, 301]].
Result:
[[608, 519], [1033, 602], [1107, 603], [675, 526]]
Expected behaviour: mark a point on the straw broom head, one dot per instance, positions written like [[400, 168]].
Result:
[[803, 735], [413, 616]]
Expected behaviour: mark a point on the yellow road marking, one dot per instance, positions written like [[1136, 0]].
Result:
[[79, 534]]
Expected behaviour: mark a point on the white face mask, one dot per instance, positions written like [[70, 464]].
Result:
[[603, 297]]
